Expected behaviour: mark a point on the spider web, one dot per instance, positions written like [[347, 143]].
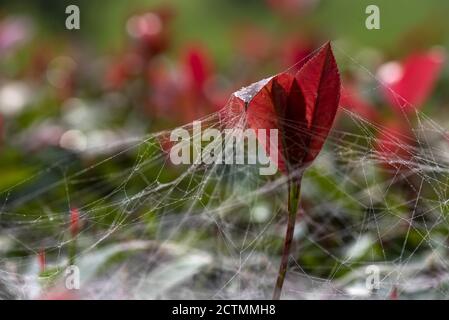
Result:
[[154, 230]]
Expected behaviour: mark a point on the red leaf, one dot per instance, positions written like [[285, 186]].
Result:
[[320, 82], [150, 30], [411, 82], [394, 145], [301, 107], [294, 50], [121, 70], [280, 105], [41, 260], [74, 222], [351, 99], [394, 293], [198, 68]]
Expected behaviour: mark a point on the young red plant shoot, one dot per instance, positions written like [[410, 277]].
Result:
[[302, 107]]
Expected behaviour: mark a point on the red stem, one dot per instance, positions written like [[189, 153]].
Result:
[[293, 204]]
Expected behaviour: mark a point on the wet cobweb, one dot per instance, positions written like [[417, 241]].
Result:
[[150, 229]]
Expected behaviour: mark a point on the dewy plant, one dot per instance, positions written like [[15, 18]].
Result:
[[302, 105]]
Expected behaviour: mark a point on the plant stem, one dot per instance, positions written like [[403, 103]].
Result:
[[294, 190], [72, 251]]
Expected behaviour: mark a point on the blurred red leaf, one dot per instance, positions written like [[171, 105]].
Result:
[[410, 82], [198, 68], [394, 293], [291, 7], [295, 49], [74, 222], [41, 260], [183, 92], [394, 145], [196, 72], [122, 69], [302, 107], [150, 30], [355, 102], [59, 294], [253, 43]]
